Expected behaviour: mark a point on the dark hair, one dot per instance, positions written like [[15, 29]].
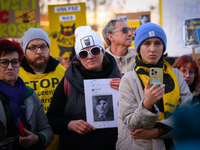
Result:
[[105, 62], [182, 62], [7, 47]]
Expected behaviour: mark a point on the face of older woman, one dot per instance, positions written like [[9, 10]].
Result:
[[93, 63], [151, 50], [102, 107], [9, 74]]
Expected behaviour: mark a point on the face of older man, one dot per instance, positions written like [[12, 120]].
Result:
[[121, 38], [39, 57]]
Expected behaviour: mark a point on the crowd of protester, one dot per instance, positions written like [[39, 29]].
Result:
[[42, 100]]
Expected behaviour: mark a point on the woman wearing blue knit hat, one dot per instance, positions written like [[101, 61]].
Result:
[[145, 119]]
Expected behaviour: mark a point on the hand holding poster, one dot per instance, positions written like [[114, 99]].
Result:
[[101, 103]]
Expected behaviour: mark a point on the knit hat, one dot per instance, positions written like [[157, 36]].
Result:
[[149, 30], [86, 37], [32, 34]]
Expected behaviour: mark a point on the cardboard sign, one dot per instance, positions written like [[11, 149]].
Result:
[[16, 17], [63, 20], [196, 52]]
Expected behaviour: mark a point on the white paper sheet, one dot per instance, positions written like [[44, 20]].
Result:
[[101, 103]]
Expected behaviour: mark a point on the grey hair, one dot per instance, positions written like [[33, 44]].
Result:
[[108, 29]]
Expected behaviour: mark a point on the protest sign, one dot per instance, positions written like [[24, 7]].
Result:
[[63, 20], [190, 31], [18, 16]]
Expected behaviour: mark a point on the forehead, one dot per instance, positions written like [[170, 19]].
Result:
[[187, 65], [36, 42], [120, 24], [153, 40]]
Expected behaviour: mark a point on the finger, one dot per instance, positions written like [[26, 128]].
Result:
[[137, 131], [89, 126], [147, 85], [114, 87]]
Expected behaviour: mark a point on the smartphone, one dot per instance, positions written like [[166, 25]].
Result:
[[156, 76]]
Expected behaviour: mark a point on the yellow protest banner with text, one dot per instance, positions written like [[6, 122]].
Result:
[[63, 20], [134, 25], [17, 16]]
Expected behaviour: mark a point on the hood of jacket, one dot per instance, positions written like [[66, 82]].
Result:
[[125, 63]]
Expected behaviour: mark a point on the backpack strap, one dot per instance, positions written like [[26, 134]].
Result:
[[66, 87]]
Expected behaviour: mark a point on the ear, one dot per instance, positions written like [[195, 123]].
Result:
[[110, 36]]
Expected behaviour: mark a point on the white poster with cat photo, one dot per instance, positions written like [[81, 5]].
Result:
[[101, 103]]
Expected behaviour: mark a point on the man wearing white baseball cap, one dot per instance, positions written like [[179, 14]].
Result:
[[68, 117]]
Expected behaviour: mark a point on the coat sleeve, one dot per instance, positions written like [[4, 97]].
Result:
[[131, 110], [42, 126]]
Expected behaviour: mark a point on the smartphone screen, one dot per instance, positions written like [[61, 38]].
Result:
[[156, 76]]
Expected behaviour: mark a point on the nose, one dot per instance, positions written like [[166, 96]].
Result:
[[39, 50], [90, 55], [130, 33], [187, 74], [152, 48], [10, 66]]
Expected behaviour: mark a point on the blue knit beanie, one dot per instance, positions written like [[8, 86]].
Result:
[[149, 30]]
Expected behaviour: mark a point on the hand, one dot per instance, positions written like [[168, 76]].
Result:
[[80, 126], [114, 83], [152, 95], [29, 139], [147, 134]]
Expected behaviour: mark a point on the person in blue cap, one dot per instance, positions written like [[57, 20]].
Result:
[[145, 120]]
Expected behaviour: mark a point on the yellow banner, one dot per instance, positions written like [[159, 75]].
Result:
[[63, 20], [18, 16], [134, 25]]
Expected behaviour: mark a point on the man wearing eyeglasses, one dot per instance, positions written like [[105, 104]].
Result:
[[38, 69], [118, 36]]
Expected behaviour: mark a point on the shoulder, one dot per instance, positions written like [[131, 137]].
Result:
[[60, 68]]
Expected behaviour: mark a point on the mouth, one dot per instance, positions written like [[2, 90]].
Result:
[[9, 73], [152, 56], [39, 58]]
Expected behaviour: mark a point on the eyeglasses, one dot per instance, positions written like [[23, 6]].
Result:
[[95, 51], [15, 63], [185, 72], [35, 48], [124, 30]]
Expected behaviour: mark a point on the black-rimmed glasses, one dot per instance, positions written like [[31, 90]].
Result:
[[124, 30], [5, 62], [95, 51], [35, 48]]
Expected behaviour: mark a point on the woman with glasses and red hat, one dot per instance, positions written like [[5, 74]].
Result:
[[189, 69], [67, 114], [145, 118]]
